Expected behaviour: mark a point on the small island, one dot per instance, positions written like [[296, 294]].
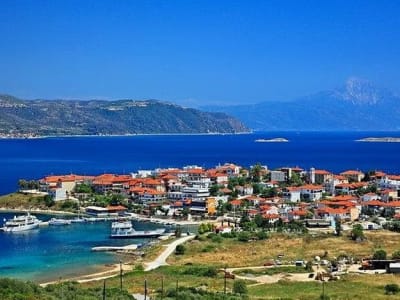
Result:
[[380, 139], [274, 140]]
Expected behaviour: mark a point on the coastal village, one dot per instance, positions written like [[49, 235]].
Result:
[[287, 205], [318, 197]]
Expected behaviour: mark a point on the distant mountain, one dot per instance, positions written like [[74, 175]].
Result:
[[65, 117], [358, 105]]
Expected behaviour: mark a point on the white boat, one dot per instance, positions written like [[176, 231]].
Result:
[[78, 220], [274, 140], [21, 223], [59, 222], [124, 229]]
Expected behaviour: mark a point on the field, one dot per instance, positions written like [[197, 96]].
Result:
[[204, 256]]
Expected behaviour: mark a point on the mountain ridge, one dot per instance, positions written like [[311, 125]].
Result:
[[358, 105], [103, 117]]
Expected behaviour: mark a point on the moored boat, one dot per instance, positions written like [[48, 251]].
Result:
[[59, 222], [21, 223], [124, 229]]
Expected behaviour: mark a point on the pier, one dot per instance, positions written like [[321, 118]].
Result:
[[127, 248]]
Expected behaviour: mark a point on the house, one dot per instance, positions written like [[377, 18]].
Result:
[[278, 176], [319, 176], [151, 196], [388, 195], [353, 175], [369, 197], [292, 194], [390, 182], [311, 192]]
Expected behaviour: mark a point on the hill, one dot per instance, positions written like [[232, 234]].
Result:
[[97, 117], [358, 105]]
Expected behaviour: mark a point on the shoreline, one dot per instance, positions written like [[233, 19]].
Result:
[[121, 135], [36, 210]]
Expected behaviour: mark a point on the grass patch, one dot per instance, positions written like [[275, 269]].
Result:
[[272, 271]]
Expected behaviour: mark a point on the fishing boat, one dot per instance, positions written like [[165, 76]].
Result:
[[59, 222], [21, 223], [125, 230]]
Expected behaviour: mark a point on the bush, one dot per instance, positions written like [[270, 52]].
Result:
[[208, 248], [180, 250], [216, 239], [392, 289], [380, 254], [239, 287], [206, 271], [262, 235], [244, 236], [396, 254]]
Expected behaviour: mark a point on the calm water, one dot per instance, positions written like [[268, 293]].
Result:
[[33, 159], [41, 254], [51, 252]]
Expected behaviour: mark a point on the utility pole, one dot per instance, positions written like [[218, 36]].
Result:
[[120, 275], [225, 280], [104, 289], [145, 289], [162, 288]]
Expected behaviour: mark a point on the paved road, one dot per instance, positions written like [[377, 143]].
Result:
[[170, 248]]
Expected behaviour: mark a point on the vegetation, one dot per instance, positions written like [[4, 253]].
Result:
[[59, 117], [380, 254], [11, 289], [392, 289], [357, 233]]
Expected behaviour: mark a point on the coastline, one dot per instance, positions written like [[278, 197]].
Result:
[[122, 135], [37, 210]]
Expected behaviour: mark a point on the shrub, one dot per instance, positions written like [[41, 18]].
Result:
[[216, 239], [396, 254], [180, 250], [392, 289], [380, 254], [244, 236], [262, 235], [239, 287], [208, 248]]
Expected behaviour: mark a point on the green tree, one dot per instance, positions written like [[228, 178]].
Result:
[[239, 287], [379, 254], [338, 226], [255, 172], [357, 233]]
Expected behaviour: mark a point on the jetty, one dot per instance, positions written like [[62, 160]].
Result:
[[127, 248]]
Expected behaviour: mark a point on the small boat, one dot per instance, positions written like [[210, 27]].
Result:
[[274, 140], [59, 222], [78, 220], [21, 223], [125, 230]]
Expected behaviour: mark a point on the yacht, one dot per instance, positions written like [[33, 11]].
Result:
[[21, 223], [124, 229], [59, 222]]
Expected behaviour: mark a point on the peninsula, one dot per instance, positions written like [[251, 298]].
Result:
[[36, 118]]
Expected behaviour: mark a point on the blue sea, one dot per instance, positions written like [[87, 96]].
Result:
[[334, 151], [53, 252], [40, 254]]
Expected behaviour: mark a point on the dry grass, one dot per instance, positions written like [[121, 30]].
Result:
[[236, 254]]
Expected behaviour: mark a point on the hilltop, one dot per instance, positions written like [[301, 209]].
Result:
[[358, 105], [99, 117]]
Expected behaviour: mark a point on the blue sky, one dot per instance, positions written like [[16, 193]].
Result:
[[195, 52]]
